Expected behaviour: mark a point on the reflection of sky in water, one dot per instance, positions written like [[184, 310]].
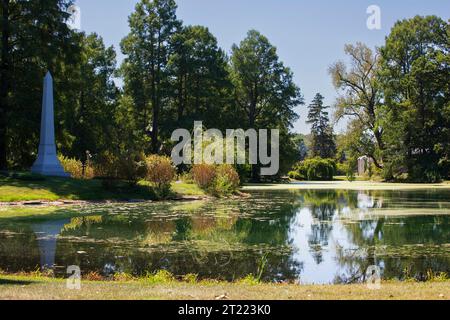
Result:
[[314, 271]]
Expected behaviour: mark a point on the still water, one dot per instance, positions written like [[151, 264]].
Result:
[[322, 236]]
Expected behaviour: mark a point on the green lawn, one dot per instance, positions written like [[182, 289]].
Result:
[[25, 187], [30, 288], [187, 189]]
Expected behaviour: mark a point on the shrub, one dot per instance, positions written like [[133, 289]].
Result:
[[204, 175], [341, 169], [190, 278], [295, 175], [123, 276], [227, 180], [249, 280], [94, 276], [315, 169], [186, 177], [320, 169], [160, 277], [111, 168], [217, 180], [131, 168], [105, 165], [75, 168], [160, 172], [350, 173]]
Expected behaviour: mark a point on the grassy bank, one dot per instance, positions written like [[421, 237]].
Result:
[[26, 287], [31, 188]]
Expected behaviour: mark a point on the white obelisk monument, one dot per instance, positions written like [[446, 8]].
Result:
[[47, 163]]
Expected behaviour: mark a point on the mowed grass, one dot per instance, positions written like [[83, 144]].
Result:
[[36, 288], [25, 193], [31, 188], [187, 189], [51, 189]]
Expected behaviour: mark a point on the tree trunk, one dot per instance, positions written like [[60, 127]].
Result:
[[4, 83], [155, 120], [181, 102], [252, 121]]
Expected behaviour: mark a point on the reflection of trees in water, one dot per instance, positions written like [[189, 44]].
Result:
[[218, 240], [19, 251], [323, 206], [406, 240], [321, 229], [370, 236], [227, 238]]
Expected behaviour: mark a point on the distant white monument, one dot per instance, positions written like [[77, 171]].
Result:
[[363, 164], [47, 163]]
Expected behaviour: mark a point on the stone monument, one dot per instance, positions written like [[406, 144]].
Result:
[[47, 163]]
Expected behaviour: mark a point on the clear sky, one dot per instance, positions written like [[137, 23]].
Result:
[[309, 34]]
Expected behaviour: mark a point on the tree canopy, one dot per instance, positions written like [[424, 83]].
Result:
[[396, 97]]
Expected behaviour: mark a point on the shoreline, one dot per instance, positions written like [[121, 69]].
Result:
[[346, 185], [76, 192], [37, 287], [66, 203]]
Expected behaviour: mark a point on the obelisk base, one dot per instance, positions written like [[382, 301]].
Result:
[[48, 164]]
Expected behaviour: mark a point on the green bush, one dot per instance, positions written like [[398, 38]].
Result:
[[341, 169], [130, 167], [221, 180], [226, 181], [316, 169], [295, 175], [160, 172], [350, 167]]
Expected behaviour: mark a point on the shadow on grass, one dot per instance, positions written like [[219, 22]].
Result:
[[76, 189], [8, 282]]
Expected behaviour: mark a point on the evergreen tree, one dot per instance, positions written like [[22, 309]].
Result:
[[148, 47], [201, 89], [323, 144], [265, 92], [34, 39], [91, 100]]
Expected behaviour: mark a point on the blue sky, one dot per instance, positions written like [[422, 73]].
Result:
[[309, 34]]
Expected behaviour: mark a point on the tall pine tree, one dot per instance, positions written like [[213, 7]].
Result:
[[323, 143], [148, 47]]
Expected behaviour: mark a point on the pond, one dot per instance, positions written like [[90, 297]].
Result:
[[306, 236]]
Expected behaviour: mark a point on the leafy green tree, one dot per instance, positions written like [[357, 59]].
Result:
[[34, 38], [92, 93], [265, 92], [415, 68], [148, 47], [323, 143], [360, 97], [200, 87]]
